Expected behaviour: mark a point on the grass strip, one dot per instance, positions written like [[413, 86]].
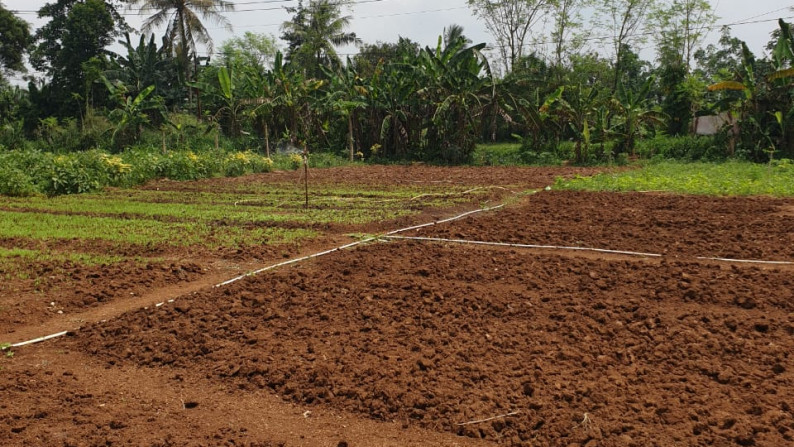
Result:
[[732, 178], [140, 231]]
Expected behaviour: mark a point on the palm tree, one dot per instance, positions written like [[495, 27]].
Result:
[[314, 33], [184, 27], [453, 35]]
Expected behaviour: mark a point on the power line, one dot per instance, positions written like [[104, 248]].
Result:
[[653, 33], [146, 11], [362, 17]]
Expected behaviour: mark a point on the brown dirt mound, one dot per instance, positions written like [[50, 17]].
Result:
[[734, 227], [587, 352], [73, 287]]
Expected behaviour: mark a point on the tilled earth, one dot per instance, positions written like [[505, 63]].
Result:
[[53, 293], [759, 228], [422, 343]]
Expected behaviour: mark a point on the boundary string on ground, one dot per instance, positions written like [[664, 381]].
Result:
[[291, 261], [559, 247], [391, 235]]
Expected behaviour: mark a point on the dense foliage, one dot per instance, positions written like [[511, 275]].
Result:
[[392, 101]]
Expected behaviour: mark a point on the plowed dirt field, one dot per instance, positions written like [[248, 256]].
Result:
[[438, 343]]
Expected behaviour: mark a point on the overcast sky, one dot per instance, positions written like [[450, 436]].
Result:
[[423, 20]]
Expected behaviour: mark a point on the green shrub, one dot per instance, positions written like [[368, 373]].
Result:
[[14, 182], [241, 163], [186, 165], [68, 175], [688, 148], [497, 154]]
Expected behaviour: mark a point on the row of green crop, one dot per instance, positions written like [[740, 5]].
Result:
[[26, 173]]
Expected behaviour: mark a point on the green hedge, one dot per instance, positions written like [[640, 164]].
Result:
[[31, 172]]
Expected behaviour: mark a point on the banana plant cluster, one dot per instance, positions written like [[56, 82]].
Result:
[[427, 105], [762, 98]]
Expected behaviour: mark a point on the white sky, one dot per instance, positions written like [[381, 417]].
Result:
[[423, 20]]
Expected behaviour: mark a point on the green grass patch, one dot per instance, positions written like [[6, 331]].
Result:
[[14, 262], [43, 226], [276, 205], [86, 259], [725, 179]]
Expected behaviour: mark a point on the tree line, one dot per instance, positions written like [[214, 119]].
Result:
[[393, 100]]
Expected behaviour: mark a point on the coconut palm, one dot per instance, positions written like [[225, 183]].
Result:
[[184, 27], [314, 33]]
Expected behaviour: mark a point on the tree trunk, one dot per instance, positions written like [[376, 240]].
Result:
[[350, 135], [267, 139]]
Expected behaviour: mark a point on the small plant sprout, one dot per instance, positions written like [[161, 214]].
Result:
[[6, 349]]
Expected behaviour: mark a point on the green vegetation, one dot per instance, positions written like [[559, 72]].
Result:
[[5, 348], [729, 178], [26, 173], [236, 215], [66, 231], [43, 226], [14, 263], [92, 118]]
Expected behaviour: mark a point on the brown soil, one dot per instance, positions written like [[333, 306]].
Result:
[[740, 227], [63, 289], [407, 343], [26, 304], [417, 174]]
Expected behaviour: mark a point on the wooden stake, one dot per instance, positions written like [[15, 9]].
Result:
[[306, 173]]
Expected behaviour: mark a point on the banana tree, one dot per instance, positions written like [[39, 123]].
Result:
[[460, 85], [291, 95], [633, 114], [131, 113], [232, 111], [775, 91], [538, 118], [346, 94], [576, 110]]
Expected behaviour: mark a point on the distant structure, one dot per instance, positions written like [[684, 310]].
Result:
[[713, 124]]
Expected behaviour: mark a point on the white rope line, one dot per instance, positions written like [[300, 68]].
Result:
[[596, 250], [746, 261], [294, 261], [282, 264], [40, 339], [506, 244], [416, 227]]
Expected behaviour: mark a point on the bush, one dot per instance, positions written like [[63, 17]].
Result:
[[14, 182], [687, 148], [240, 163], [69, 175]]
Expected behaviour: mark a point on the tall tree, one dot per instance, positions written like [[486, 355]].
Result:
[[453, 35], [49, 37], [567, 19], [718, 63], [510, 22], [184, 26], [314, 33], [14, 38], [251, 51], [75, 37], [370, 56], [626, 20], [682, 25]]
